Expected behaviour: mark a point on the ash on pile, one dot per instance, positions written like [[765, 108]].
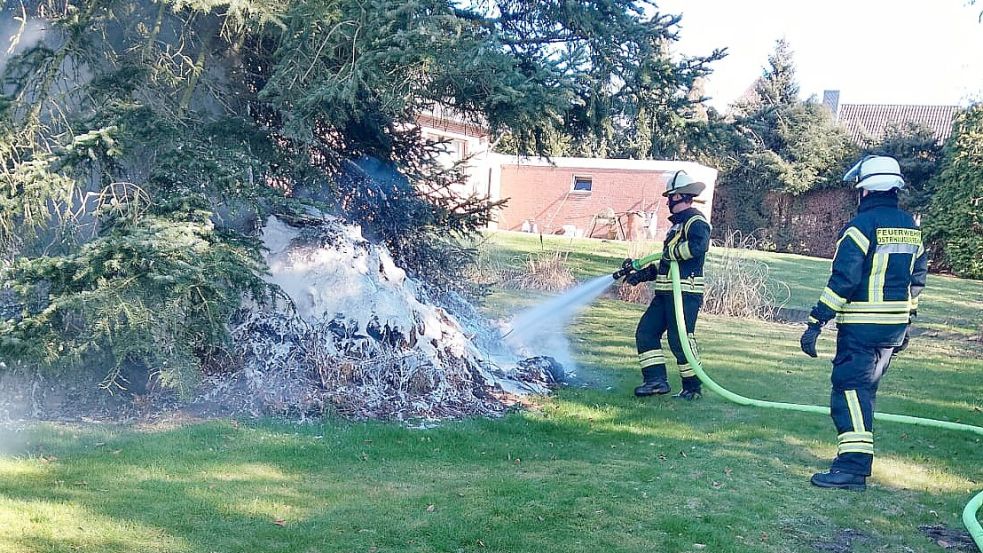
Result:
[[355, 334]]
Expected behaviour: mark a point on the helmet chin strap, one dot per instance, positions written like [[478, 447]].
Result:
[[683, 199]]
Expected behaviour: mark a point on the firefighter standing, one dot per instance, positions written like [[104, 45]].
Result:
[[687, 243], [878, 271]]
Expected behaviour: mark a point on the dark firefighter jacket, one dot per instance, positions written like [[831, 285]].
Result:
[[878, 271], [687, 242]]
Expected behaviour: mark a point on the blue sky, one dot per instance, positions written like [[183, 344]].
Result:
[[872, 51]]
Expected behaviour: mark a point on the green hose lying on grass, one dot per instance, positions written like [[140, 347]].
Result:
[[974, 505]]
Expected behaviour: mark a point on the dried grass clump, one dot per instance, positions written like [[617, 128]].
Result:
[[739, 286], [642, 293], [546, 270], [487, 269]]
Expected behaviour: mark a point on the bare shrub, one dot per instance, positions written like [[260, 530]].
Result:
[[543, 270], [487, 268], [642, 293], [738, 285]]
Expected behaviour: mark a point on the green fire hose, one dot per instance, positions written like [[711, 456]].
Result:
[[974, 505]]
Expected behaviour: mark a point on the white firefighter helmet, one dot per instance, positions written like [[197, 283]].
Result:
[[681, 183], [876, 173]]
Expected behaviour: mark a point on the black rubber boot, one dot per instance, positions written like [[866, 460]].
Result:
[[689, 395], [691, 389], [839, 480], [657, 387]]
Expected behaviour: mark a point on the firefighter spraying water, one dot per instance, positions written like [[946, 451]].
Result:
[[686, 243]]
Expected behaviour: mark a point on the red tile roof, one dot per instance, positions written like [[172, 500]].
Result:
[[868, 122]]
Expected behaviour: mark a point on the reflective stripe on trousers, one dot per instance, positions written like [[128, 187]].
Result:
[[659, 318], [857, 371]]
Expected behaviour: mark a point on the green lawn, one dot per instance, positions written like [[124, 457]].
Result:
[[590, 469]]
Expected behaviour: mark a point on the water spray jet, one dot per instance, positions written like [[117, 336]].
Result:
[[540, 329]]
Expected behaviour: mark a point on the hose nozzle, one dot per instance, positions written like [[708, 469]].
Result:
[[627, 268]]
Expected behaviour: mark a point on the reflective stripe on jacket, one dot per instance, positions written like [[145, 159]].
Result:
[[878, 271], [687, 243]]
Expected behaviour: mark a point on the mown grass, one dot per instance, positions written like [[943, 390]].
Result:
[[590, 469]]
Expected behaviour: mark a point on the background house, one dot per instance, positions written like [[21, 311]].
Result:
[[601, 198], [461, 139], [868, 122]]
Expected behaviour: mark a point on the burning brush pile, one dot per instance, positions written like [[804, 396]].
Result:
[[352, 333]]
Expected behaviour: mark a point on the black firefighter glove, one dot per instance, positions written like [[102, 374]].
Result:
[[809, 337], [904, 341], [907, 335], [641, 276]]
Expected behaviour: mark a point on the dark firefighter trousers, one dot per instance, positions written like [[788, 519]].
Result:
[[659, 318], [857, 370]]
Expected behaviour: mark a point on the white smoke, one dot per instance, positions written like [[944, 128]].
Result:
[[17, 36]]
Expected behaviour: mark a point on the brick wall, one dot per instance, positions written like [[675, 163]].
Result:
[[543, 196]]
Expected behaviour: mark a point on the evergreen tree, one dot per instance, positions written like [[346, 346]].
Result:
[[955, 216], [785, 146], [778, 86], [141, 143]]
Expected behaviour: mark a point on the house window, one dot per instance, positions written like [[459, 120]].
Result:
[[582, 183], [458, 149], [450, 150]]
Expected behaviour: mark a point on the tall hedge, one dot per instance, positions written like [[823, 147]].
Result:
[[955, 218]]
